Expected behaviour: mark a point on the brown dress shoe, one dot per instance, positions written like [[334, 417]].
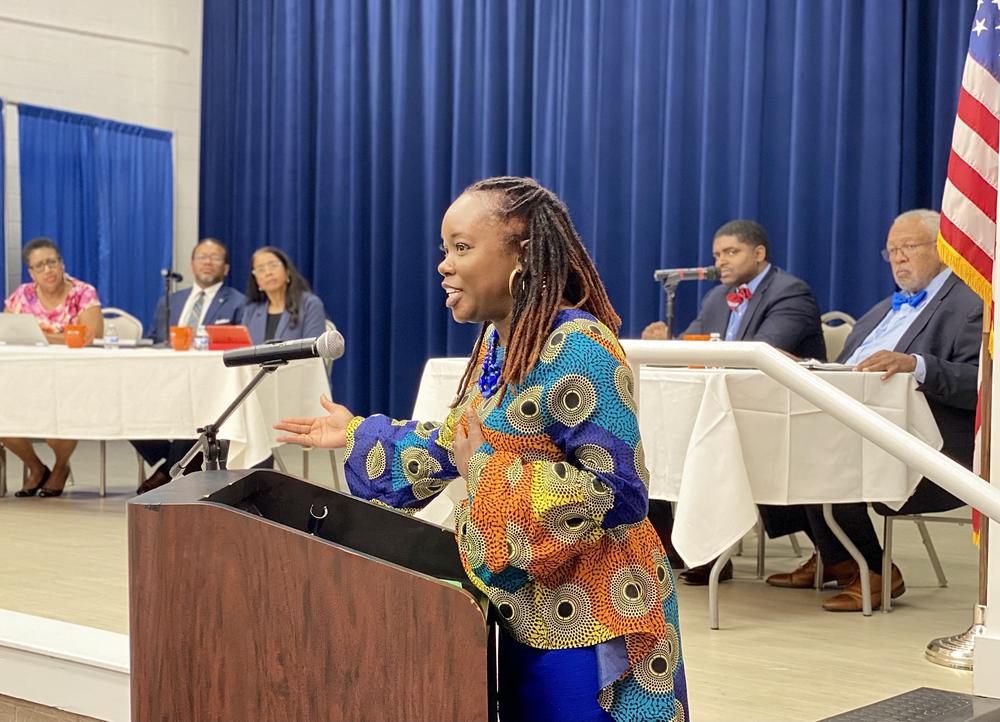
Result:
[[157, 479], [805, 576], [849, 600], [698, 576]]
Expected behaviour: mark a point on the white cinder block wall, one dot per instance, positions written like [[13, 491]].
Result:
[[137, 61]]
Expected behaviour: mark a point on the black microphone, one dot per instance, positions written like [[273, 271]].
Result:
[[172, 275], [329, 346], [676, 275]]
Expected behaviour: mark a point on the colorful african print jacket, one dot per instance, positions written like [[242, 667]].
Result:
[[554, 528]]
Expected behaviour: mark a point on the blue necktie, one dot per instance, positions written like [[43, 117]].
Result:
[[194, 315], [899, 299]]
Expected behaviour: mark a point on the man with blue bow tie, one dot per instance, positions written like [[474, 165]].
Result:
[[930, 328]]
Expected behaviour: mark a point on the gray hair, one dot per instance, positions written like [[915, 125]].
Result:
[[929, 220]]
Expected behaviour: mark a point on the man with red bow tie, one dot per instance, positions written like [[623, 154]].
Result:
[[757, 301]]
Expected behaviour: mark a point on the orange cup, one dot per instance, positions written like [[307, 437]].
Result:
[[180, 337], [696, 337], [75, 335]]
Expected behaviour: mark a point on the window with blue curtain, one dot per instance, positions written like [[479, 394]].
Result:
[[341, 131], [102, 190]]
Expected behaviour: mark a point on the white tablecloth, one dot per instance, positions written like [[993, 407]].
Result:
[[94, 393], [719, 441]]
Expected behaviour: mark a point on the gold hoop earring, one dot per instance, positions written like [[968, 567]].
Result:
[[510, 281]]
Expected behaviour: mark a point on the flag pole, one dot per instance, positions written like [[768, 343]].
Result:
[[958, 650], [984, 456]]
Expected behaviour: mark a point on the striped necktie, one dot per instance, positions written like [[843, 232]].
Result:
[[194, 316]]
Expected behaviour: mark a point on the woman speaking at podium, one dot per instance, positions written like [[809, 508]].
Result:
[[544, 432]]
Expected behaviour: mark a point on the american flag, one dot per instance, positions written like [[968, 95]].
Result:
[[967, 239]]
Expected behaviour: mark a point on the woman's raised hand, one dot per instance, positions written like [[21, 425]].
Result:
[[468, 438], [325, 432]]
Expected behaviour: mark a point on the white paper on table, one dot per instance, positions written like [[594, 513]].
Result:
[[709, 523]]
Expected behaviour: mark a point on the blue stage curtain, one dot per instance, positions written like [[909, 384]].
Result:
[[341, 131], [103, 190]]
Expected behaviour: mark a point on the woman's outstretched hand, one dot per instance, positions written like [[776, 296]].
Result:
[[468, 438], [325, 432]]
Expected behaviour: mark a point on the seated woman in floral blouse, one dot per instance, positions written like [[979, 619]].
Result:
[[56, 299]]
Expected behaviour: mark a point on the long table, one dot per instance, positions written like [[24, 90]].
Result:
[[129, 393]]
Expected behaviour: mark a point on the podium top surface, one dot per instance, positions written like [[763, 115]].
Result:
[[331, 516]]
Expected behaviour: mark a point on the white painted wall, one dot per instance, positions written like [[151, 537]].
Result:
[[137, 61]]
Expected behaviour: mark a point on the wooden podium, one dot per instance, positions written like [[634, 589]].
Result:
[[243, 605]]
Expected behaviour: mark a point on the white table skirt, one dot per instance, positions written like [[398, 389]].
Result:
[[94, 393], [719, 441]]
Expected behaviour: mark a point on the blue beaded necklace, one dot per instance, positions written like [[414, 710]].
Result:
[[489, 380]]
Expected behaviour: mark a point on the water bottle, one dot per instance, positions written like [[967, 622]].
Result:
[[110, 335], [715, 337], [201, 339]]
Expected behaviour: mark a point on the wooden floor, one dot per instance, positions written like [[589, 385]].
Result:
[[778, 656]]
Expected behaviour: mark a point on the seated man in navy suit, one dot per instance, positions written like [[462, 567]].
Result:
[[207, 302], [931, 328], [757, 301]]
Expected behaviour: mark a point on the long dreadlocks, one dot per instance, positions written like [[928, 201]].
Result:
[[557, 272]]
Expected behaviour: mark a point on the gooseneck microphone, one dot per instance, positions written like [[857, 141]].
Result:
[[329, 346], [675, 275], [172, 275]]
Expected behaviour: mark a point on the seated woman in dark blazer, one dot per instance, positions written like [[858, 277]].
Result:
[[280, 304]]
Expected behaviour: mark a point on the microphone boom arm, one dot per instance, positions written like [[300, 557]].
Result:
[[208, 442]]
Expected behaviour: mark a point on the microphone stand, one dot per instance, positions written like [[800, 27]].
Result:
[[670, 289], [208, 442], [168, 280]]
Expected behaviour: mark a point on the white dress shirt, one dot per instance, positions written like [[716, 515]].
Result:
[[894, 325], [189, 304]]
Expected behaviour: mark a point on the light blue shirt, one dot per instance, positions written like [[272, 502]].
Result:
[[893, 326], [736, 317]]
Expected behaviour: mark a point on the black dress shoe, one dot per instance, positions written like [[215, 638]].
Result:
[[45, 492], [34, 490], [698, 576], [157, 479]]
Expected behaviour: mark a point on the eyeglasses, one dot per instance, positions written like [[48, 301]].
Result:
[[265, 267], [47, 263], [906, 249], [214, 258]]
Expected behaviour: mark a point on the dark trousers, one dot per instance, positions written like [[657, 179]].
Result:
[[856, 523], [854, 519], [153, 451]]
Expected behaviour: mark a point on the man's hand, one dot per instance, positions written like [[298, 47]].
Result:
[[889, 361], [468, 438], [656, 331]]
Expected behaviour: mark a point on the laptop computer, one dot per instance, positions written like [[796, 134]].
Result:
[[21, 329], [225, 337]]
